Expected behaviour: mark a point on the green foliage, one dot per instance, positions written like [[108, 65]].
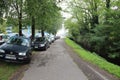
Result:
[[3, 27], [15, 29], [93, 58], [7, 70], [20, 13], [72, 25], [97, 26], [3, 8], [55, 24], [46, 13]]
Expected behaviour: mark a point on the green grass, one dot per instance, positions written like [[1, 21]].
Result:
[[7, 70], [93, 58]]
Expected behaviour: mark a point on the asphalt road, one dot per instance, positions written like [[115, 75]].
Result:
[[53, 64], [60, 63]]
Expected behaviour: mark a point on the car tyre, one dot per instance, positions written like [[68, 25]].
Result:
[[45, 48], [29, 59]]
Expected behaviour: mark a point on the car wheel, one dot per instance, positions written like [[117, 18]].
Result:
[[45, 48], [29, 59]]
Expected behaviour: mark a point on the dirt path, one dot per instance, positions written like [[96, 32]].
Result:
[[54, 64]]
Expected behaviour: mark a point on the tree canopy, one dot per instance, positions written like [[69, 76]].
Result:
[[43, 15], [95, 25]]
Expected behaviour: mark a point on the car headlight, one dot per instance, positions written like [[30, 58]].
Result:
[[22, 54], [42, 45], [2, 51]]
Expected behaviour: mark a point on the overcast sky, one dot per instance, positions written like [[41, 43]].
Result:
[[64, 6]]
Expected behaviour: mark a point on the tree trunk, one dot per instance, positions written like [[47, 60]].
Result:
[[20, 19], [20, 24], [95, 19], [33, 28], [107, 4], [107, 11], [95, 16], [42, 32]]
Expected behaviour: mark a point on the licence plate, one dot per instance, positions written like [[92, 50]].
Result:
[[36, 46], [10, 57]]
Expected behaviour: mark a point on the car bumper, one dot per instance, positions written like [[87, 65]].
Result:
[[39, 47], [16, 59]]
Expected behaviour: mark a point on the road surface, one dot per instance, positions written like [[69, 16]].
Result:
[[60, 63], [53, 64]]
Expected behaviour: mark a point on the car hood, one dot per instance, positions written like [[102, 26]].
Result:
[[14, 48]]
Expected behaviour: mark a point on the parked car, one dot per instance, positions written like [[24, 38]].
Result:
[[16, 49], [12, 34], [52, 37], [57, 37], [3, 38], [49, 39], [40, 43]]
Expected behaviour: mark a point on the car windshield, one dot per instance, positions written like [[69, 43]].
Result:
[[40, 39], [18, 41]]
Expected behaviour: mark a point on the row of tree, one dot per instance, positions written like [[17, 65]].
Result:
[[95, 24], [43, 15]]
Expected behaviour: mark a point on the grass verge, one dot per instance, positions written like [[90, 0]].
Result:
[[93, 58], [8, 69]]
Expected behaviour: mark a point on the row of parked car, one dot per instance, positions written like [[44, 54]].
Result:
[[19, 48], [43, 43]]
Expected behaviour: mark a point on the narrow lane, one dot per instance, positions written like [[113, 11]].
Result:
[[53, 64]]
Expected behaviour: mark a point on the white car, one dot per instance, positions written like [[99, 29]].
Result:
[[52, 37], [12, 34]]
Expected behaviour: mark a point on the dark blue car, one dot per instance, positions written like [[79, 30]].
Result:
[[40, 43], [16, 49]]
